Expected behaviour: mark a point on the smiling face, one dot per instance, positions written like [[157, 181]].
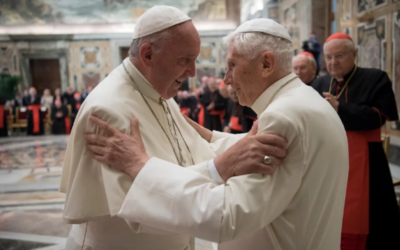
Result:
[[170, 63], [245, 76]]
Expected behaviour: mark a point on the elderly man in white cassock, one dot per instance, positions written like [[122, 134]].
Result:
[[300, 206], [163, 53]]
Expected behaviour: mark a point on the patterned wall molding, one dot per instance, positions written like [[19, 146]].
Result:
[[89, 63]]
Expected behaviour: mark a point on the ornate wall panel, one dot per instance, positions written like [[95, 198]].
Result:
[[89, 63], [371, 41]]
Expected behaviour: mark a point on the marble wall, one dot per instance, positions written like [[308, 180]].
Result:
[[89, 63]]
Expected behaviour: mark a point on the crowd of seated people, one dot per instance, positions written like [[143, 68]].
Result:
[[33, 114]]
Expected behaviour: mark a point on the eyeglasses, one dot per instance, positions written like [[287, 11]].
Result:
[[339, 56]]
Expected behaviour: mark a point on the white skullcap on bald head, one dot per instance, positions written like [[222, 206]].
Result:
[[263, 25], [158, 18]]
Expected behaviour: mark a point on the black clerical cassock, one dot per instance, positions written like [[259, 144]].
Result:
[[366, 102], [233, 117], [61, 123]]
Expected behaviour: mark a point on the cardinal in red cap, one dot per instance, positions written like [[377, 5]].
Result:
[[364, 100], [305, 66]]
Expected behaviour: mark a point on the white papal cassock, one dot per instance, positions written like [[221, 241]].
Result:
[[95, 192], [299, 207]]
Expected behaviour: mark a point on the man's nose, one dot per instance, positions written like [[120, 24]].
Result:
[[192, 69], [227, 78]]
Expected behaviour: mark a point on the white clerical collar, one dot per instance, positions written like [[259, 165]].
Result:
[[141, 82], [266, 97]]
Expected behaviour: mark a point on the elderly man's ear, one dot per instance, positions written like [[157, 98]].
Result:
[[268, 61], [146, 52]]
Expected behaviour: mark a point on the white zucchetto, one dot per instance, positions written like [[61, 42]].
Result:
[[158, 18], [264, 25]]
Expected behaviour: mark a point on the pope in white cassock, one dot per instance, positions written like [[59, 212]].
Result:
[[300, 206], [163, 52]]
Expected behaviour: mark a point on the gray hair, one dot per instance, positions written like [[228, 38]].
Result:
[[252, 45], [156, 39], [349, 44]]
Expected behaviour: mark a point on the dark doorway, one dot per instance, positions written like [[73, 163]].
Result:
[[123, 52], [45, 74]]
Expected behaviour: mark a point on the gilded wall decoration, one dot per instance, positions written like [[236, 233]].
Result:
[[368, 5], [290, 21], [90, 57], [371, 38], [89, 63]]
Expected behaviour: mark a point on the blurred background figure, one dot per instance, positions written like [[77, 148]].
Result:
[[76, 106], [69, 96], [233, 116], [86, 92], [25, 97], [35, 116], [214, 106], [314, 48], [305, 66], [61, 124], [59, 96], [223, 89], [47, 99], [3, 117]]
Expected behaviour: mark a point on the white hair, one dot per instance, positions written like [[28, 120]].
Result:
[[252, 45], [309, 58], [349, 44]]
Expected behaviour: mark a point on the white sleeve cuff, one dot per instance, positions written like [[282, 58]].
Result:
[[214, 172]]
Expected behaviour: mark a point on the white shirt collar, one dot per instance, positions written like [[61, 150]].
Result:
[[141, 82], [266, 97]]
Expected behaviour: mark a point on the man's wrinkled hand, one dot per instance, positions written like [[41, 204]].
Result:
[[247, 155], [121, 151], [333, 100]]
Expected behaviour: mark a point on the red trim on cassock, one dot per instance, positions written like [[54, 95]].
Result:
[[78, 106], [200, 116], [234, 124], [185, 111], [218, 112], [67, 125], [1, 116], [36, 117], [356, 210]]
